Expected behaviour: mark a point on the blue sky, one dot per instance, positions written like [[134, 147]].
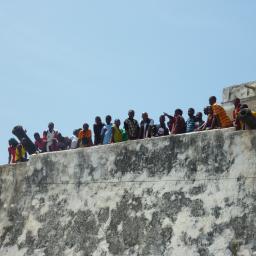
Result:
[[68, 61]]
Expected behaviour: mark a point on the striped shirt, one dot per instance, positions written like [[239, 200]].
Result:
[[191, 124], [222, 116]]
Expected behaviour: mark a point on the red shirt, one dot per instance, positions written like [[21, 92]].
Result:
[[236, 122], [179, 125], [12, 152], [40, 144]]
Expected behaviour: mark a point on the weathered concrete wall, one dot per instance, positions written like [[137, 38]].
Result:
[[177, 195]]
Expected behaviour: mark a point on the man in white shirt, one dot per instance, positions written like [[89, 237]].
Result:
[[51, 137], [74, 139]]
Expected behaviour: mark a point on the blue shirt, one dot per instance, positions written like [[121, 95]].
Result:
[[106, 133], [190, 124]]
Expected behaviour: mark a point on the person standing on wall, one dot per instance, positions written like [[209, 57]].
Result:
[[117, 133], [179, 124], [191, 122], [131, 126], [40, 143], [199, 121], [170, 122], [74, 139], [161, 129], [220, 114], [107, 131], [146, 126], [85, 136], [97, 128], [51, 138], [13, 143]]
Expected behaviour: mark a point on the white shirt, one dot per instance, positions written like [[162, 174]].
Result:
[[50, 136], [74, 141]]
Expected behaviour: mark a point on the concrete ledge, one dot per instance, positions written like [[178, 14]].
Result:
[[188, 194]]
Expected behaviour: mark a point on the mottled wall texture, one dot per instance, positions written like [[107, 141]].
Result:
[[187, 195]]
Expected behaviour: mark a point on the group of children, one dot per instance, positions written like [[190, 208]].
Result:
[[106, 133]]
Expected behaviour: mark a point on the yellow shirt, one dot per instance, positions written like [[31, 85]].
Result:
[[20, 154], [117, 134]]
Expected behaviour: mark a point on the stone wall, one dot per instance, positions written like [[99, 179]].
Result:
[[191, 194]]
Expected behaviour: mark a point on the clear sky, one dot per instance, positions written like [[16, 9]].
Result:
[[68, 61]]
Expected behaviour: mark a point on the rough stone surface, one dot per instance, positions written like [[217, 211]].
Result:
[[192, 194]]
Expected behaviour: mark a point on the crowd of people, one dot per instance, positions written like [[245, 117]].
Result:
[[108, 132]]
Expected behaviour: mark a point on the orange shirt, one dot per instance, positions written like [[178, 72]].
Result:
[[224, 120], [85, 134], [85, 138]]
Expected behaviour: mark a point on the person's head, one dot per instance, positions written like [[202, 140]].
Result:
[[131, 114], [37, 136], [97, 120], [13, 142], [117, 123], [44, 134], [108, 119], [212, 100], [162, 119], [144, 116], [206, 110], [236, 102], [178, 112], [76, 132], [191, 112], [51, 126], [244, 106], [85, 126], [199, 116]]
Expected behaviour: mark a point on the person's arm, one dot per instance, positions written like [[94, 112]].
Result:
[[169, 116], [202, 127], [213, 122], [90, 140], [103, 131]]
